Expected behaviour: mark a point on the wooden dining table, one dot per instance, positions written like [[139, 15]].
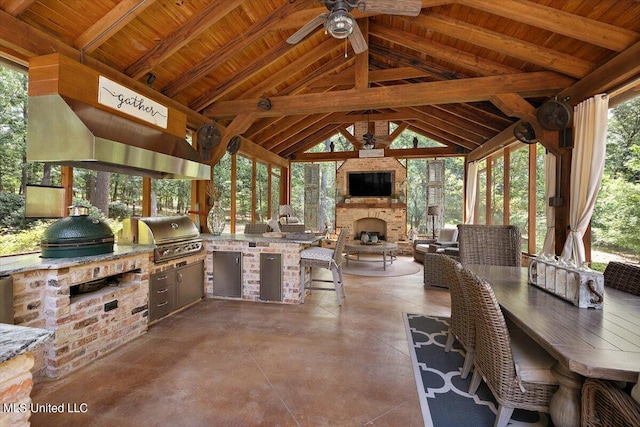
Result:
[[586, 342]]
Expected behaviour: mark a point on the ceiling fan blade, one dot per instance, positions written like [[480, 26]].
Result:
[[308, 28], [391, 7], [357, 40]]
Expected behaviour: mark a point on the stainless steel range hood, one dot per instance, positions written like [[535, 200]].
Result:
[[79, 117], [70, 132]]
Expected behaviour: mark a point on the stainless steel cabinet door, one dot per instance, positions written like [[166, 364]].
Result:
[[227, 274], [190, 283]]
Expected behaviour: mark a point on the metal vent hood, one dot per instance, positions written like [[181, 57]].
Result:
[[67, 126]]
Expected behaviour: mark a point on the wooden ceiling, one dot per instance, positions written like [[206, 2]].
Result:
[[462, 72]]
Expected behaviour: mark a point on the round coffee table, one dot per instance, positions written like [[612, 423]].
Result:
[[386, 249]]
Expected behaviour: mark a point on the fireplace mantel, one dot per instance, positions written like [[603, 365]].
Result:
[[361, 205]]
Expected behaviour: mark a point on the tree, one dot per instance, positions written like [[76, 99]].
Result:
[[13, 130]]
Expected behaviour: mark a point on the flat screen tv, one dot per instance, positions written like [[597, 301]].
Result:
[[370, 184]]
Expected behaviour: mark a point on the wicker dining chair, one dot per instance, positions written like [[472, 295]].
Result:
[[605, 404], [256, 228], [461, 324], [317, 257], [516, 369], [489, 244], [623, 276]]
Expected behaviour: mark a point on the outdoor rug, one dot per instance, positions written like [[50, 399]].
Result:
[[443, 394], [401, 266]]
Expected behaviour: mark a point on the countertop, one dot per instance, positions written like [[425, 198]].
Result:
[[258, 238], [18, 263], [17, 340]]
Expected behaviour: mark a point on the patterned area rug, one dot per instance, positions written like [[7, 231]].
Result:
[[443, 394], [371, 265]]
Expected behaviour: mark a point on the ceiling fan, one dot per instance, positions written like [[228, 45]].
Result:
[[341, 24]]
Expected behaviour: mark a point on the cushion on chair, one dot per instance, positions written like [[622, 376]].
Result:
[[320, 254], [448, 235], [533, 363]]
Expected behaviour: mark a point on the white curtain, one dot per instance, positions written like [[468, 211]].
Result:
[[548, 247], [587, 166], [472, 181]]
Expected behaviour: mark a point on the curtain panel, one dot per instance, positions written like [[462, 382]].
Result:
[[587, 167], [472, 182]]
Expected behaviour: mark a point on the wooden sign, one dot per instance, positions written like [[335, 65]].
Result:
[[123, 99]]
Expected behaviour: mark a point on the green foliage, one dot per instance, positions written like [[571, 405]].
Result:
[[119, 211], [616, 217], [12, 213], [24, 241]]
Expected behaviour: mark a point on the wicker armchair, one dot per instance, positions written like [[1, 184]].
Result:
[[462, 324], [605, 404], [516, 369], [622, 276], [489, 244], [331, 259], [256, 228]]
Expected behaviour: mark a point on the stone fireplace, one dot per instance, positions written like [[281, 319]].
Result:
[[372, 214]]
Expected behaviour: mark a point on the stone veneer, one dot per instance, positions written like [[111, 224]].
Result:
[[83, 329], [251, 266], [394, 214]]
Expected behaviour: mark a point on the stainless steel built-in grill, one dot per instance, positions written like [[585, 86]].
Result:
[[173, 236]]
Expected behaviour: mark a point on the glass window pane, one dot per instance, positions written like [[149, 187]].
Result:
[[481, 197], [497, 190], [275, 191], [243, 192], [519, 191], [261, 193], [541, 200]]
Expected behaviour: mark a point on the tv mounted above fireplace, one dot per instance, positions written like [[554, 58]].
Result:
[[370, 184]]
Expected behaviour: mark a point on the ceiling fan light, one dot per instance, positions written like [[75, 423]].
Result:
[[340, 24]]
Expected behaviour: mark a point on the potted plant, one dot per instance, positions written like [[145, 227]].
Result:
[[394, 197], [347, 198]]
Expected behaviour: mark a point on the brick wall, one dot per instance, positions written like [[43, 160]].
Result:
[[251, 267], [395, 214], [83, 328]]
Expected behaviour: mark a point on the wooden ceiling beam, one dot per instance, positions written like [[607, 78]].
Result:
[[473, 63], [621, 68], [557, 21], [219, 91], [448, 127], [476, 115], [191, 29], [249, 36], [516, 48], [442, 92], [454, 120], [296, 66], [399, 153], [404, 59], [391, 74], [15, 7], [361, 66], [443, 136], [116, 19], [310, 139], [307, 123], [301, 131]]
